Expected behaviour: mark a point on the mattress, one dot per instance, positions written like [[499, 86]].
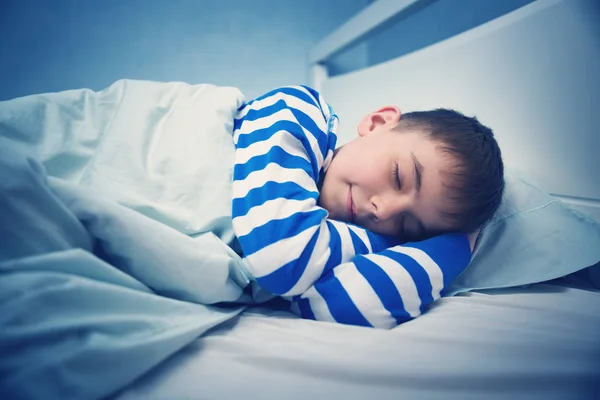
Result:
[[541, 341]]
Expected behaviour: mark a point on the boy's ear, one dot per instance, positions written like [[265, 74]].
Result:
[[388, 115]]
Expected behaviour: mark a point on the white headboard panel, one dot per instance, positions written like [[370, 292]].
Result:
[[532, 75]]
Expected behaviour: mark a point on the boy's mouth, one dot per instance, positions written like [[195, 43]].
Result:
[[350, 208]]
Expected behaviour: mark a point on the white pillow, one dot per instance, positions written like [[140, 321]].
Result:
[[533, 237]]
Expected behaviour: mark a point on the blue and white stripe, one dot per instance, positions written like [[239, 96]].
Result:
[[284, 143]]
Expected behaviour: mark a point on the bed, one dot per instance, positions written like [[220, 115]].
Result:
[[522, 322]]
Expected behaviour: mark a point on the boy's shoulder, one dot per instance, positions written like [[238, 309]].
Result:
[[308, 108], [289, 111]]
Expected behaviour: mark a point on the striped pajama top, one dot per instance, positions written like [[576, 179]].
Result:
[[328, 270]]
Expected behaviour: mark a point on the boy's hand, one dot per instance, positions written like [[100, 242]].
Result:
[[473, 238]]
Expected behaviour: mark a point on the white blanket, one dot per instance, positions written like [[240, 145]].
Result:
[[115, 232]]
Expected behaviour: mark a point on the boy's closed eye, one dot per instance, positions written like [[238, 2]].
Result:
[[396, 176]]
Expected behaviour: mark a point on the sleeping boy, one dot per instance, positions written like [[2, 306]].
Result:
[[369, 233]]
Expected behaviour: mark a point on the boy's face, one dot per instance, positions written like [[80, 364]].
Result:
[[361, 185]]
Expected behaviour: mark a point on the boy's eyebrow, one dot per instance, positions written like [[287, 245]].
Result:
[[418, 172]]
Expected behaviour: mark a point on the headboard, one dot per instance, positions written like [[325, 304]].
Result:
[[532, 75]]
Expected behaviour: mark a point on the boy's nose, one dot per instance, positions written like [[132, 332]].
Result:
[[389, 205]]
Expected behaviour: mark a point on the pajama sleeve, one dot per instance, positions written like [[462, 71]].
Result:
[[388, 288]]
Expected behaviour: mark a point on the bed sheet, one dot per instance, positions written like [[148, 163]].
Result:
[[536, 342]]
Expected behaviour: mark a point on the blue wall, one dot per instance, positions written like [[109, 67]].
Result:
[[52, 45]]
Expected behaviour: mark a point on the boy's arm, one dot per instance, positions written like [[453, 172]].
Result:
[[284, 141], [386, 289]]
